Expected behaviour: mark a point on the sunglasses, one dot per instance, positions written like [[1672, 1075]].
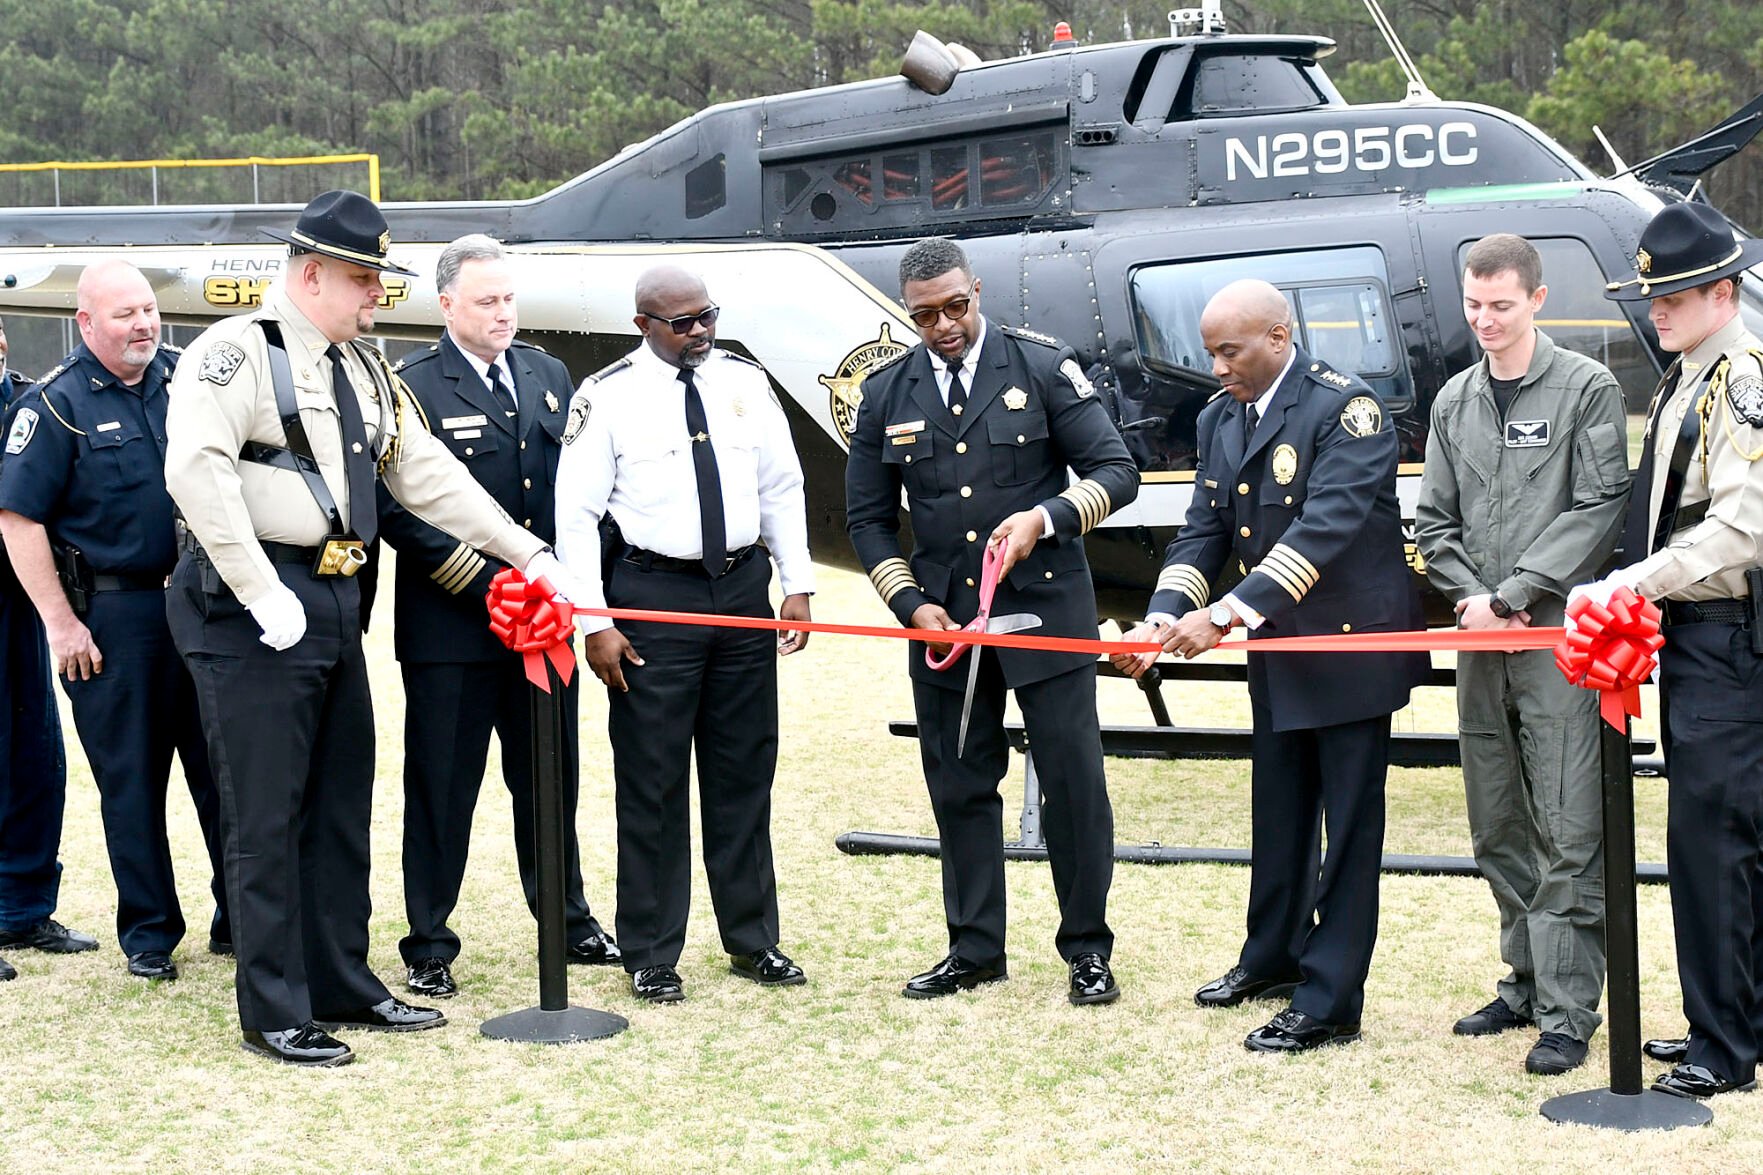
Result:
[[955, 308], [681, 325]]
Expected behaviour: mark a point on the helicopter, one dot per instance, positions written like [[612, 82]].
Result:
[[1103, 193]]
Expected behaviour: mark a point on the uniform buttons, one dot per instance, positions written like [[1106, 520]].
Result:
[[468, 450], [909, 458], [1242, 487], [1020, 439], [528, 524], [961, 446], [527, 483], [1288, 499], [1346, 628], [1244, 532], [523, 445], [967, 491], [1047, 575], [970, 581], [972, 535]]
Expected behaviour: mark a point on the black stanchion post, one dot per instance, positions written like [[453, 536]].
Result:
[[1624, 1105], [553, 1021]]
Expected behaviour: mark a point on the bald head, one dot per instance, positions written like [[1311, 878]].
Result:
[[667, 294], [1247, 329], [118, 318]]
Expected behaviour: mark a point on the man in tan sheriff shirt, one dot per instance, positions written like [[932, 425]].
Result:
[[278, 425], [1695, 525]]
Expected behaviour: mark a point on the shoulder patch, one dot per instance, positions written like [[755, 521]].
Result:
[[1362, 417], [1745, 394], [24, 427], [220, 363], [1071, 371], [579, 407], [1033, 336]]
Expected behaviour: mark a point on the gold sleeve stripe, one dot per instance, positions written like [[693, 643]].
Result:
[[459, 570], [891, 577], [1091, 502], [1289, 569], [1298, 562], [1283, 578], [1186, 579]]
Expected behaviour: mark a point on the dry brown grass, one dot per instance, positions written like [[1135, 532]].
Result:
[[102, 1071]]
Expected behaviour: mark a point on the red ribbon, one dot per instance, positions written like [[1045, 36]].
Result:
[[527, 616], [1612, 648]]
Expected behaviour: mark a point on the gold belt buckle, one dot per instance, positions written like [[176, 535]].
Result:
[[340, 557]]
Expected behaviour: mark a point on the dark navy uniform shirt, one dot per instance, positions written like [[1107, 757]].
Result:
[[85, 456]]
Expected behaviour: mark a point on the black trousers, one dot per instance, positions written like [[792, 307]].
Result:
[[1317, 923], [711, 692], [1059, 714], [131, 718], [33, 769], [450, 711], [1713, 733], [290, 735]]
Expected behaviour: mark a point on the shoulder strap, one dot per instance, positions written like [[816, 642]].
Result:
[[298, 455]]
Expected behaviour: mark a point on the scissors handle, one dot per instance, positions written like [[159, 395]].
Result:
[[988, 587]]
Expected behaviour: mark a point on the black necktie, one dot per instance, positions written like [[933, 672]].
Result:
[[709, 481], [500, 391], [1636, 541], [1251, 417], [357, 460], [957, 389]]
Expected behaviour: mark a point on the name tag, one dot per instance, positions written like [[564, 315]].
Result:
[[465, 422], [1527, 434], [110, 426], [469, 434], [911, 440], [894, 430]]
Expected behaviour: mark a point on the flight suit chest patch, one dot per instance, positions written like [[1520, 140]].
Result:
[[1527, 434]]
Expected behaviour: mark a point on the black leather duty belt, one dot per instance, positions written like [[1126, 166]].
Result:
[[128, 583], [1707, 612], [650, 561]]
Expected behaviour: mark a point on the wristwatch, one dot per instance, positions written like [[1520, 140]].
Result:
[[1498, 606], [1221, 616]]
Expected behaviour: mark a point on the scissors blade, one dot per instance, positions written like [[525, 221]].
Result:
[[1013, 622]]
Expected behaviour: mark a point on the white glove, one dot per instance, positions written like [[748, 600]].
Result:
[[279, 614], [1598, 592], [545, 565]]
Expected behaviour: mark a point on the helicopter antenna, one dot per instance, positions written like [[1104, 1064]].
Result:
[[1418, 90], [1615, 159]]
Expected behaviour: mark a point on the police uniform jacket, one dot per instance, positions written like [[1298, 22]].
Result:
[[1030, 415], [85, 456], [441, 581], [222, 398], [1309, 512], [628, 453], [1717, 397], [12, 389]]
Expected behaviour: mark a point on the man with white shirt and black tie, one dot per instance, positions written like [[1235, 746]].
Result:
[[499, 404], [687, 448]]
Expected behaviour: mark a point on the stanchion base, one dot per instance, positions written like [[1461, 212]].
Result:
[[563, 1026], [1647, 1110]]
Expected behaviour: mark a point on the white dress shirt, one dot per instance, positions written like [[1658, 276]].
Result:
[[483, 373], [633, 457]]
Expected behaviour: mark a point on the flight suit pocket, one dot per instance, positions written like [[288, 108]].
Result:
[[916, 461], [1019, 447], [1601, 460], [125, 455]]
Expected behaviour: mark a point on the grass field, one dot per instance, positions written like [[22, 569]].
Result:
[[106, 1072]]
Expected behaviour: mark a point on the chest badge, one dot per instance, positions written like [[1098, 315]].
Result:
[[1016, 399], [1527, 434], [1285, 464], [550, 400]]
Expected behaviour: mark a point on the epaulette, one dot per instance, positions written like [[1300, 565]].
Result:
[[174, 349], [1329, 375], [1033, 336], [743, 359], [530, 346], [53, 374], [613, 368], [888, 362], [415, 357]]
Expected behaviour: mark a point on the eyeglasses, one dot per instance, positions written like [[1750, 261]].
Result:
[[705, 318], [955, 308]]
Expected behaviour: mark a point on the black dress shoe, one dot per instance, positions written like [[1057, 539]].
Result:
[[432, 979], [658, 985], [953, 974], [1237, 985], [305, 1045], [220, 946], [1497, 1016], [49, 935], [1555, 1053], [1293, 1032], [1092, 982], [596, 950], [7, 971], [153, 965], [1670, 1049], [1695, 1081], [389, 1015], [768, 968]]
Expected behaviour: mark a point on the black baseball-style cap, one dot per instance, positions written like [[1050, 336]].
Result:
[[345, 225], [1686, 245]]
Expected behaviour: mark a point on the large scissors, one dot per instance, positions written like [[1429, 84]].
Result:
[[983, 622]]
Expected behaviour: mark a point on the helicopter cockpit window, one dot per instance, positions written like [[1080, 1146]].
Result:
[[1227, 85], [706, 187]]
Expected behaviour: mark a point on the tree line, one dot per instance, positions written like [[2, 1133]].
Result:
[[491, 99]]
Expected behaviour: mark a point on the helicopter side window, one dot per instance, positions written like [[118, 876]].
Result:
[[853, 176], [1241, 84], [1015, 170], [707, 187], [900, 177]]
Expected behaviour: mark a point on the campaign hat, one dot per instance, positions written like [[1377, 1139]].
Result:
[[1685, 245], [345, 225]]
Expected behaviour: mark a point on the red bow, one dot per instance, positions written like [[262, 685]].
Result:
[[527, 616], [1611, 648]]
